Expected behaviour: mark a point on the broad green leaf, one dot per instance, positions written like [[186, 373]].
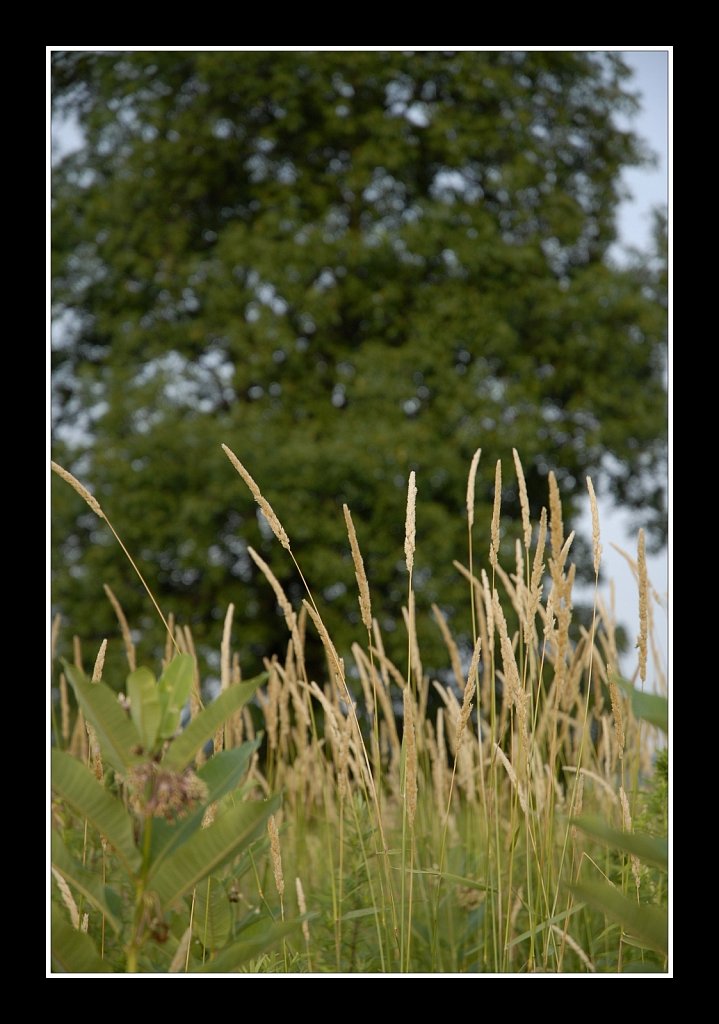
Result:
[[209, 849], [212, 919], [85, 882], [221, 775], [115, 732], [652, 707], [79, 788], [647, 923], [225, 770], [71, 951], [651, 849], [253, 942], [201, 729], [144, 705], [175, 685]]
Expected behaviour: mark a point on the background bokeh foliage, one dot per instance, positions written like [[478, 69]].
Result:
[[345, 266]]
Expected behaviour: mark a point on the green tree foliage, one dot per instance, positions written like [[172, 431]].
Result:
[[345, 266]]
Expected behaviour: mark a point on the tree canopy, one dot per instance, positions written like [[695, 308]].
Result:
[[345, 266]]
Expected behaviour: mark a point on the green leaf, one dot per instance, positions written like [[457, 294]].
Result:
[[85, 882], [79, 788], [469, 883], [225, 770], [145, 708], [175, 686], [354, 915], [544, 924], [652, 707], [250, 946], [71, 951], [208, 849], [652, 849], [212, 919], [115, 733], [641, 967], [649, 924], [221, 775], [201, 729]]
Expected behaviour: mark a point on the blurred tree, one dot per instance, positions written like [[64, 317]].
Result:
[[345, 266]]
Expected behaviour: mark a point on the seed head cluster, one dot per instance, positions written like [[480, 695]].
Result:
[[158, 792]]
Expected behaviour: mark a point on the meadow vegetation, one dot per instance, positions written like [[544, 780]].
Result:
[[508, 814]]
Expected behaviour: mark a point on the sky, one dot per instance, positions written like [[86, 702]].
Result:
[[647, 188]]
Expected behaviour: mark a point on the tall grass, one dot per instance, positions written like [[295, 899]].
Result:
[[444, 840]]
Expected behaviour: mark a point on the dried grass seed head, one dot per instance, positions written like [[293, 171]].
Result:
[[556, 524], [302, 905], [130, 653], [265, 506], [596, 546], [77, 486], [523, 500], [496, 509], [643, 605], [282, 599], [275, 855], [469, 691], [538, 563], [225, 649], [410, 785], [410, 527], [616, 712], [360, 575], [470, 487], [99, 663], [55, 632], [67, 898]]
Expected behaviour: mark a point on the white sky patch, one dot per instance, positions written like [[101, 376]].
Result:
[[648, 186]]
